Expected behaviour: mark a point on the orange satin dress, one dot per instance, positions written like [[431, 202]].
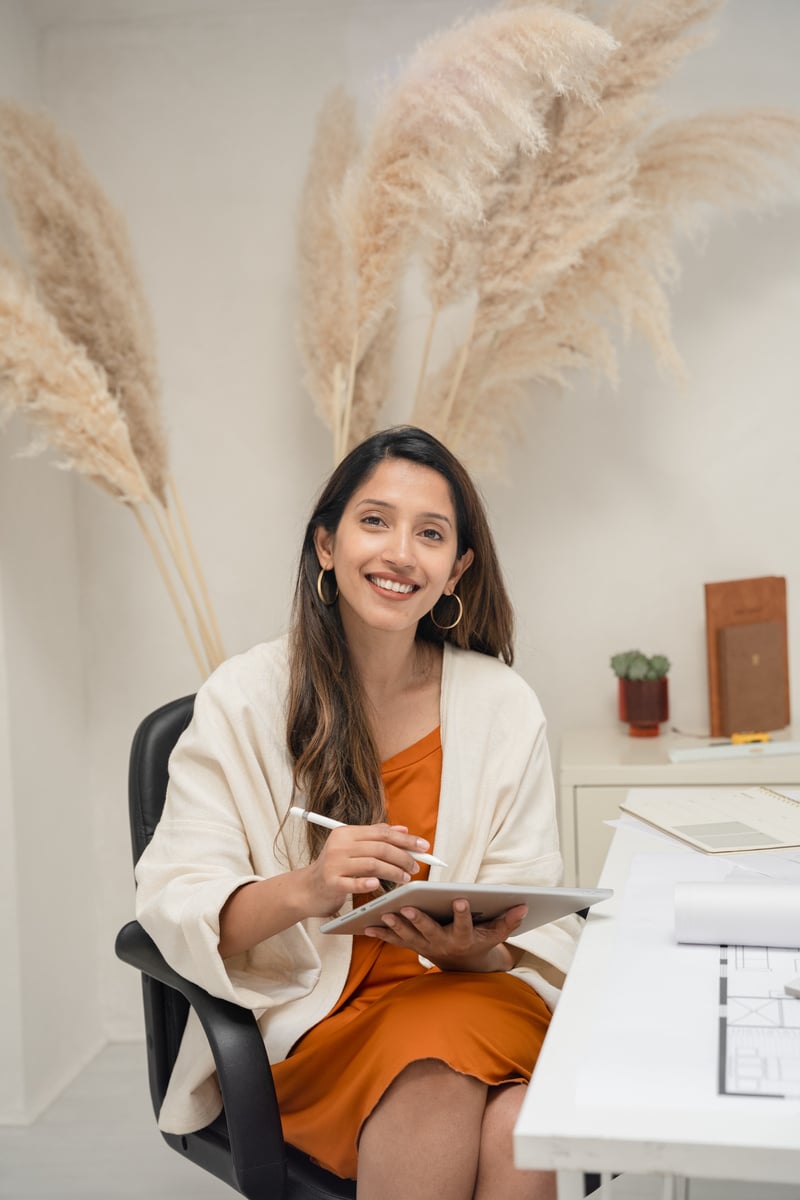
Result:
[[394, 1011]]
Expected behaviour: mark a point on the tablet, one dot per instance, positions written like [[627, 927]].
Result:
[[487, 901]]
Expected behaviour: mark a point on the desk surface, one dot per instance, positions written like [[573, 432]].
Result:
[[609, 756], [664, 1126]]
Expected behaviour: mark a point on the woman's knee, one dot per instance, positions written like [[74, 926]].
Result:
[[503, 1105], [433, 1077], [425, 1133], [426, 1088], [497, 1174]]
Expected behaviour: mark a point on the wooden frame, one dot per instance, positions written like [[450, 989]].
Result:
[[742, 602]]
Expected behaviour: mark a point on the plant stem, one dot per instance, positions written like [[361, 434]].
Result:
[[338, 401], [187, 537], [157, 510], [162, 567], [423, 367], [348, 403], [164, 520], [459, 371]]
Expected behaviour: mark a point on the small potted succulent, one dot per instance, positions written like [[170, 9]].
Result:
[[643, 692]]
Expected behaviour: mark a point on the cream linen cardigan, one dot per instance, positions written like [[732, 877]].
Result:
[[230, 787]]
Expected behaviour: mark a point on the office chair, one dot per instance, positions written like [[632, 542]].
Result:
[[244, 1146]]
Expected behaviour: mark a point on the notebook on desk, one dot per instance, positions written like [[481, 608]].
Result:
[[720, 820]]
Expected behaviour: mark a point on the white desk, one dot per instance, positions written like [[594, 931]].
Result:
[[663, 1127], [598, 766]]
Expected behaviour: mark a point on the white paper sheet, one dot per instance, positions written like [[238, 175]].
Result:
[[658, 1014], [773, 864]]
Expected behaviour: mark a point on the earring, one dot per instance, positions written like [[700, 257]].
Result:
[[320, 592], [458, 618]]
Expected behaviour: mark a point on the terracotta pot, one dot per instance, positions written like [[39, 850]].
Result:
[[644, 704]]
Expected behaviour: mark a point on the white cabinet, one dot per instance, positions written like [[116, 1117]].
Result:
[[597, 766]]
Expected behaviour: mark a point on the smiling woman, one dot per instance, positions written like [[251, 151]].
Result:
[[394, 553], [398, 527], [390, 711]]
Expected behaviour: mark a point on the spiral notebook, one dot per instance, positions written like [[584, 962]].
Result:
[[720, 820]]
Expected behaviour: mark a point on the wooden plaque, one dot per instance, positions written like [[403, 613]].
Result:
[[745, 602], [752, 677]]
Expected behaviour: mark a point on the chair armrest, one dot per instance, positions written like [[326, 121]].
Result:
[[240, 1057]]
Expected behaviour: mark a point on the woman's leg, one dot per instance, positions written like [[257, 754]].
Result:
[[497, 1175], [422, 1139]]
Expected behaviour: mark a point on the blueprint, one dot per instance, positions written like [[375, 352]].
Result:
[[759, 1026], [726, 1028]]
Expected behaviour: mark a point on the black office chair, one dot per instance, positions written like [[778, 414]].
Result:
[[244, 1146]]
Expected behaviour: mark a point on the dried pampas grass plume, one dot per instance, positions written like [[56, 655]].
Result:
[[729, 160], [91, 315], [80, 253], [446, 130], [443, 133], [551, 212], [522, 157], [63, 393], [325, 307], [582, 237], [65, 396], [719, 159]]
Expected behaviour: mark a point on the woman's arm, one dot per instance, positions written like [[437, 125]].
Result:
[[352, 862]]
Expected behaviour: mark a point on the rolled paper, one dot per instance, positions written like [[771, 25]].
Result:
[[738, 914]]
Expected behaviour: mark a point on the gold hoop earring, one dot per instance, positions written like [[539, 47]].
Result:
[[321, 594], [457, 621]]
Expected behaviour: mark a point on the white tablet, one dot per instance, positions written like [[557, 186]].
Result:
[[486, 901]]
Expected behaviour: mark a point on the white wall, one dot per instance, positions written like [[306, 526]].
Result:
[[51, 1020], [623, 505], [618, 507], [12, 1076]]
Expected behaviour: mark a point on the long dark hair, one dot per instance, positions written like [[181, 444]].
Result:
[[336, 763]]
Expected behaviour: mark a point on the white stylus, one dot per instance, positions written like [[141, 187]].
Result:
[[329, 823]]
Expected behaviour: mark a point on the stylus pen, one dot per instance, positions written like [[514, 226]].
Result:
[[329, 823]]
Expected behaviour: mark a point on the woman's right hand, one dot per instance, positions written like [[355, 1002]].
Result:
[[354, 860]]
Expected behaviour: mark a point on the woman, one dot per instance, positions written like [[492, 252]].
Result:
[[401, 1056]]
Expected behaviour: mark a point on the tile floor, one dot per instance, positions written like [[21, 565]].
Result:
[[99, 1139]]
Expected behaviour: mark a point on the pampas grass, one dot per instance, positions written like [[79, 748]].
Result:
[[440, 137], [65, 397], [325, 308], [553, 211], [82, 261], [565, 217], [55, 383], [684, 168], [79, 355]]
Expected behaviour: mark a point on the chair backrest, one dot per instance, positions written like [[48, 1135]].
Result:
[[148, 770], [148, 773]]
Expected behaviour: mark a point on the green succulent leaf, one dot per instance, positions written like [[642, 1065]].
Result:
[[638, 667], [621, 662], [632, 664]]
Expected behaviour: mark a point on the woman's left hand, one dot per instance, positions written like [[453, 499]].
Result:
[[460, 946]]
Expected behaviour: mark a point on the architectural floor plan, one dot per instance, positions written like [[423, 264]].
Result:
[[759, 1027]]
